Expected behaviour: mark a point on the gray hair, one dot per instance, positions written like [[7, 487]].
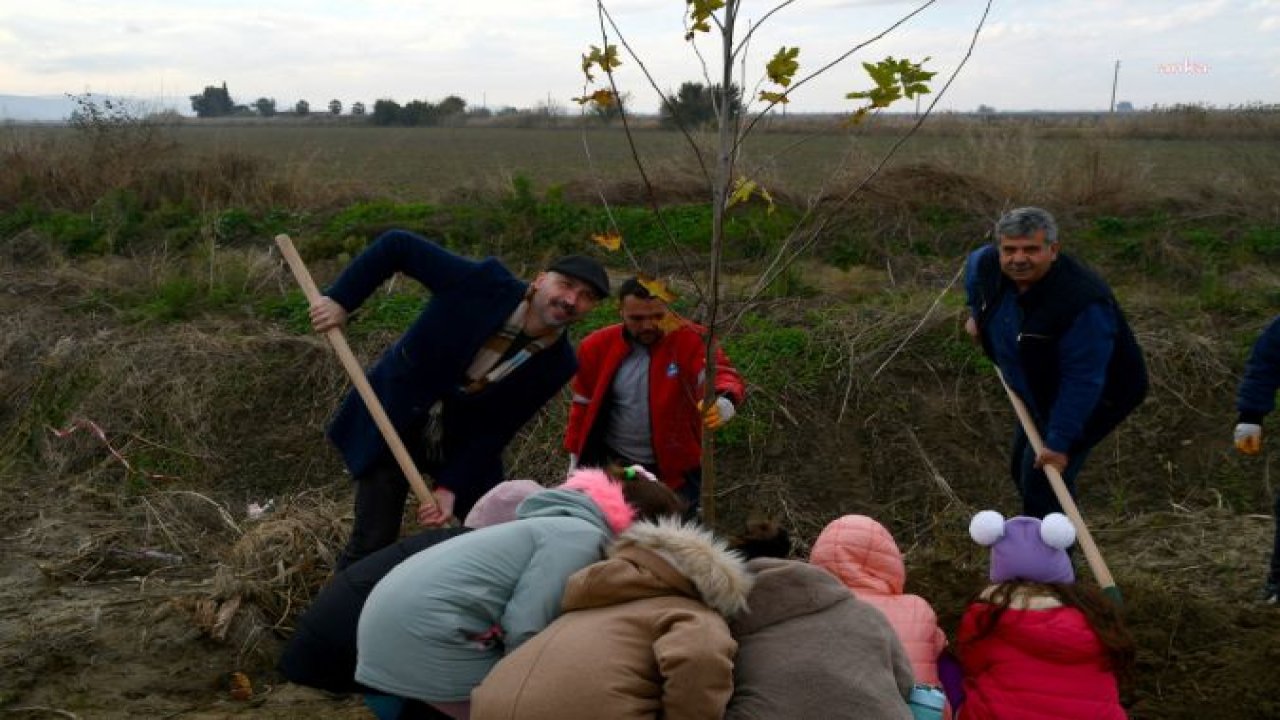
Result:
[[1024, 222]]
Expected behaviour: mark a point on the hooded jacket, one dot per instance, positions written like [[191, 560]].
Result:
[[322, 651], [643, 636], [863, 555], [1042, 661], [808, 649], [435, 625]]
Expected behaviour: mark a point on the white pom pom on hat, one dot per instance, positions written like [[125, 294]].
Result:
[[986, 527], [1057, 531]]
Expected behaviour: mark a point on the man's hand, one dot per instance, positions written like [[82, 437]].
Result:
[[1051, 457], [971, 327], [441, 513], [714, 417], [327, 314], [1248, 438]]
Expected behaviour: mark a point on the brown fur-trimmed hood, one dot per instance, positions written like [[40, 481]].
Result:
[[717, 573]]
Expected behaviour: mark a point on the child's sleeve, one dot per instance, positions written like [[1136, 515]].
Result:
[[951, 674]]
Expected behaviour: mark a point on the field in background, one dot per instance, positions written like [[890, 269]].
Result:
[[427, 164], [141, 293]]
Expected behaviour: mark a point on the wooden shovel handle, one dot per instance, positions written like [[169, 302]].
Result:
[[1096, 563], [356, 373]]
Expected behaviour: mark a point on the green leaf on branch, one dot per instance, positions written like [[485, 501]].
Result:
[[783, 67], [699, 13], [894, 79], [774, 97], [606, 59]]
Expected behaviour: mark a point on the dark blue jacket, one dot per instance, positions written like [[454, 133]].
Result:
[[470, 302], [1063, 345], [1257, 395]]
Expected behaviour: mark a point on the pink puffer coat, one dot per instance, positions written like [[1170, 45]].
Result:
[[862, 553]]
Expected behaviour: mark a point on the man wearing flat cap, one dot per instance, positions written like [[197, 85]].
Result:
[[484, 355]]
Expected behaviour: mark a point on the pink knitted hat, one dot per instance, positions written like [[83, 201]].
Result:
[[499, 504], [606, 493]]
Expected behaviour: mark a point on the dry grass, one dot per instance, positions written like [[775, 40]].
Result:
[[272, 570], [321, 166]]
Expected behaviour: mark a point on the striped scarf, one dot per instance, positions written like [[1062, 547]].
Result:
[[486, 369]]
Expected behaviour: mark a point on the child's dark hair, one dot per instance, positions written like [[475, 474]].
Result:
[[1099, 611], [762, 537], [651, 500]]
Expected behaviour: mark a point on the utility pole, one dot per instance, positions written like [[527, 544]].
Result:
[[1115, 80]]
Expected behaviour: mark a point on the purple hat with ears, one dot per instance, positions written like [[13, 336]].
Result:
[[1026, 548]]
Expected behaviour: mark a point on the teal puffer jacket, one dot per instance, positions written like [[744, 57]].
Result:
[[436, 624]]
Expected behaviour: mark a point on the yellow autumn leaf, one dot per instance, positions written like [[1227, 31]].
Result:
[[742, 190], [768, 199], [611, 240], [671, 322], [657, 288], [603, 98]]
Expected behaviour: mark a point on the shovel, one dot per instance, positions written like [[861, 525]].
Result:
[[1091, 554], [356, 373]]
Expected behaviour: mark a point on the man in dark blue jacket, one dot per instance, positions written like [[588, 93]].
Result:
[[1062, 343], [1255, 400], [485, 354]]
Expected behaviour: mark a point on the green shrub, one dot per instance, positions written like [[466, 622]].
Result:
[[173, 300], [75, 232], [1264, 240], [20, 218], [235, 225]]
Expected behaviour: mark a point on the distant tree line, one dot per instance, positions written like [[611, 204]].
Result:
[[692, 106], [420, 112]]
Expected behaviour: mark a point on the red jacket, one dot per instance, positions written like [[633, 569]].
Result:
[[1037, 664], [676, 364]]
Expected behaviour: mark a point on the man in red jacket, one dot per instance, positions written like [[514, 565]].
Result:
[[638, 391]]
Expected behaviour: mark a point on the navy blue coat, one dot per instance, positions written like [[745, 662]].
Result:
[[1257, 395], [470, 302]]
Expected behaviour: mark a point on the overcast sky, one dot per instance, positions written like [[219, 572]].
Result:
[[1032, 54]]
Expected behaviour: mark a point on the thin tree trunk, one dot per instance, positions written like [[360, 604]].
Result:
[[719, 197]]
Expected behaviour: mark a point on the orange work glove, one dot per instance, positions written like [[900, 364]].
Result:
[[714, 417], [1248, 438]]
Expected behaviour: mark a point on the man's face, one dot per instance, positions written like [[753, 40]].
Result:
[[559, 300], [1027, 259], [643, 318]]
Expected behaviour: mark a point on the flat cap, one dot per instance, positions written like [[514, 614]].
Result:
[[586, 269]]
